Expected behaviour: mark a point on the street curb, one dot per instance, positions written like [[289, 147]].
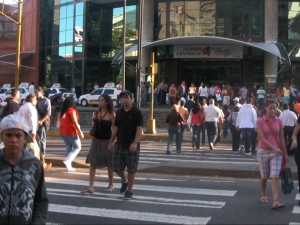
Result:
[[145, 137], [180, 170]]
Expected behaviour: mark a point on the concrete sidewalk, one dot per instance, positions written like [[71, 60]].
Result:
[[190, 161]]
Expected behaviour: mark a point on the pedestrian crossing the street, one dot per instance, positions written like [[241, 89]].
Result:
[[151, 203]]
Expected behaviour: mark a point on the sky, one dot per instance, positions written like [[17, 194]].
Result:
[[9, 2]]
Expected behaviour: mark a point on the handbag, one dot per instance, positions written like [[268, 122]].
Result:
[[283, 164], [287, 184], [95, 129]]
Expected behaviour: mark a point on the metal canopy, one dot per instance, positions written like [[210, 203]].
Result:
[[273, 48]]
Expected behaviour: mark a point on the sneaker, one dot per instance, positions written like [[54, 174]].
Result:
[[124, 187], [242, 149], [247, 153], [127, 195]]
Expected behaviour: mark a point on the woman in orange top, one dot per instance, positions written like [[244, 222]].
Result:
[[70, 131]]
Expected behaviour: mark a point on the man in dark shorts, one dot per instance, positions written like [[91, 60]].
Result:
[[128, 131]]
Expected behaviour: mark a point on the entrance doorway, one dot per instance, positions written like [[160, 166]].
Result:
[[210, 72]]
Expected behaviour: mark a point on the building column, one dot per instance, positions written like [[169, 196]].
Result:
[[271, 35], [148, 34]]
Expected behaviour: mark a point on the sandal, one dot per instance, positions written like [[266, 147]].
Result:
[[278, 205], [264, 199], [109, 189], [87, 191]]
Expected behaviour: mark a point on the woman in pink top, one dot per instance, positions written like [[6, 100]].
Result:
[[269, 154], [196, 121]]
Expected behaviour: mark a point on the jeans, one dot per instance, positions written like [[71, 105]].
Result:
[[236, 137], [287, 133], [297, 160], [41, 132], [261, 103], [202, 129], [144, 99], [177, 131], [212, 128], [156, 98], [225, 129], [196, 134], [247, 138], [73, 146]]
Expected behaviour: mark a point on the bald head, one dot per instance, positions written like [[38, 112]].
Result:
[[211, 101]]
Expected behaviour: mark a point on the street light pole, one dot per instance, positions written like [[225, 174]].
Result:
[[139, 70], [18, 53], [124, 49]]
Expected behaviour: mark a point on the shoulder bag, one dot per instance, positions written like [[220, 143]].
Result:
[[96, 129]]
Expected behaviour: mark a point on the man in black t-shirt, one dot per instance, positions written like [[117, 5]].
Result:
[[128, 129]]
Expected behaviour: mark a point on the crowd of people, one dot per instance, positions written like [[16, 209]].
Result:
[[259, 126]]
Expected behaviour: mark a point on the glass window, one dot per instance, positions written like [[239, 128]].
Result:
[[62, 51], [62, 37], [79, 9], [97, 92], [63, 12], [70, 23], [109, 91], [69, 36], [70, 10], [63, 24]]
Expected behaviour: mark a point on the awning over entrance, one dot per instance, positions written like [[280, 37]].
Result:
[[9, 61], [276, 49]]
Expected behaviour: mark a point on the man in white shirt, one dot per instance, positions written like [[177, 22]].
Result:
[[119, 86], [31, 88], [211, 115], [29, 112], [246, 122], [237, 102], [202, 92], [289, 120]]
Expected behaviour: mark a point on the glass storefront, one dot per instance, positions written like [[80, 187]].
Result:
[[79, 39], [241, 19]]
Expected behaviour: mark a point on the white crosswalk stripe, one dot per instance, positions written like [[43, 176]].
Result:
[[62, 188], [123, 214]]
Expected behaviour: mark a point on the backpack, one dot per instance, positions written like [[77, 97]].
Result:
[[287, 184], [4, 108]]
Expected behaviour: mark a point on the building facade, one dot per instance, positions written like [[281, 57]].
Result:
[[80, 42]]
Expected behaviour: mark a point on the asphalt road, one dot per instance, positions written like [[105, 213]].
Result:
[[164, 199]]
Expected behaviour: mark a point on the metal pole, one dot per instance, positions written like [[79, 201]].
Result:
[[151, 126], [124, 43], [139, 70], [18, 53]]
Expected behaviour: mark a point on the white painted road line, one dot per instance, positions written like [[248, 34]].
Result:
[[218, 181], [298, 197], [128, 215], [137, 198], [294, 223], [296, 209], [197, 191]]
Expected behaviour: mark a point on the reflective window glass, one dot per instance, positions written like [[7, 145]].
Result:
[[62, 51], [70, 23], [63, 24], [69, 36], [62, 37], [70, 10], [69, 51], [63, 12], [79, 9]]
